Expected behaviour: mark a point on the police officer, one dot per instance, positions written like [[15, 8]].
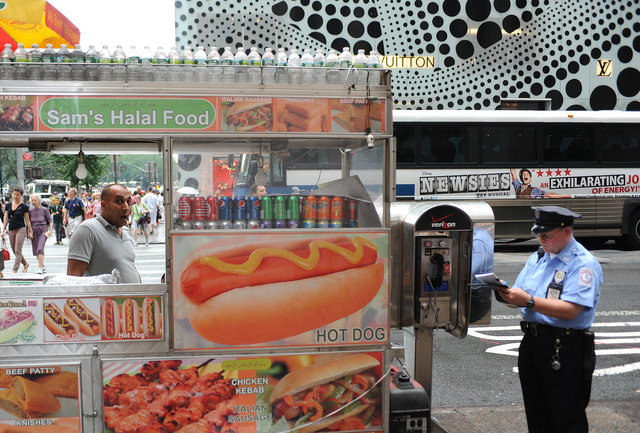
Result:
[[559, 291]]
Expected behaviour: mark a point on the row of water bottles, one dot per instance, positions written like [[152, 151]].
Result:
[[228, 67]]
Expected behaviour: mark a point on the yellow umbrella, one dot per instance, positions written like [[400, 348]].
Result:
[[25, 11], [52, 28]]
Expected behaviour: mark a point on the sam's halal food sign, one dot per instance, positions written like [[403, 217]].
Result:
[[116, 113]]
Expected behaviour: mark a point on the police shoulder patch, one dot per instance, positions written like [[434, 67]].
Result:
[[585, 277]]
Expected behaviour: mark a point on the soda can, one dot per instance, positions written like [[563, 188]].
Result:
[[322, 224], [185, 225], [266, 208], [267, 224], [212, 208], [335, 224], [280, 207], [352, 209], [280, 224], [337, 209], [240, 224], [199, 225], [309, 210], [323, 209], [226, 225], [212, 225], [240, 209], [293, 224], [253, 224], [309, 224], [224, 208], [253, 203], [199, 208], [293, 207], [184, 208]]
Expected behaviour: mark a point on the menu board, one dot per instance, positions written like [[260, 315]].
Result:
[[72, 320], [39, 398], [233, 290], [320, 392]]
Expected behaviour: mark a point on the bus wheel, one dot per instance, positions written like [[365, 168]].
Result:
[[634, 231]]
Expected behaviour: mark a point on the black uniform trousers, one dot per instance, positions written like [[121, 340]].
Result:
[[556, 400]]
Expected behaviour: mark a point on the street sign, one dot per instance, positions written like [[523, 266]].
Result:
[[27, 156]]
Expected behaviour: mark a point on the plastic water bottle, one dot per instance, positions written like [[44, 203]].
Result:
[[146, 64], [20, 58], [104, 67], [188, 64], [77, 64], [241, 63], [254, 60], [35, 63], [63, 63], [133, 64], [6, 60], [160, 65], [374, 67], [213, 65], [306, 62], [268, 66], [346, 61], [281, 67], [226, 61], [175, 61], [319, 72], [200, 59], [92, 58], [360, 63], [119, 61], [333, 67], [293, 67]]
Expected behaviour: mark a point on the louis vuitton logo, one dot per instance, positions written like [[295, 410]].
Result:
[[604, 68]]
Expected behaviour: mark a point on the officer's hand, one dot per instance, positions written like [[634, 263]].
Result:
[[514, 295]]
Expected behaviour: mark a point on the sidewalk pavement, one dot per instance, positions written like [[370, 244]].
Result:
[[604, 417]]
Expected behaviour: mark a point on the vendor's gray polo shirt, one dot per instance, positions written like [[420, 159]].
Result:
[[99, 244]]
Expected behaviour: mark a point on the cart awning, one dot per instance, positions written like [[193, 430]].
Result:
[[44, 25]]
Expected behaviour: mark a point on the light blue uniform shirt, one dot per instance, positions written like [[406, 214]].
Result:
[[580, 275]]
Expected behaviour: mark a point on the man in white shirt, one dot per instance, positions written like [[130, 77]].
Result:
[[151, 200]]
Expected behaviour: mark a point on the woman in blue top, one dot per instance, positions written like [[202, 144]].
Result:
[[18, 224]]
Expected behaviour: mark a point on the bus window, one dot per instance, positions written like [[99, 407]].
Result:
[[509, 144], [405, 143], [456, 145], [569, 144], [619, 143]]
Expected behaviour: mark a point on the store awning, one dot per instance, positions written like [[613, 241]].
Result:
[[35, 22]]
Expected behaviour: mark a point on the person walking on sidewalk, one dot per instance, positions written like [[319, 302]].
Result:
[[40, 220], [56, 213], [558, 290], [17, 222], [140, 220], [74, 212], [150, 199]]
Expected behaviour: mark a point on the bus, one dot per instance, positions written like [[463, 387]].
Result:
[[45, 188], [586, 161]]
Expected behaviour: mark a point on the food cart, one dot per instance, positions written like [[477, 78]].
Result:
[[275, 311]]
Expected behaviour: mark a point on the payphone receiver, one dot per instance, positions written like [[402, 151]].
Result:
[[437, 269]]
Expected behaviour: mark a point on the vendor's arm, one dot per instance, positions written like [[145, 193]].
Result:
[[76, 267], [549, 307]]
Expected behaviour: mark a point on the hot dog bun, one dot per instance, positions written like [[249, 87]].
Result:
[[239, 107], [130, 317], [151, 318], [85, 320], [57, 322], [110, 319], [274, 311]]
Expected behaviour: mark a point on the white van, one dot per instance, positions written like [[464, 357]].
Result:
[[47, 187]]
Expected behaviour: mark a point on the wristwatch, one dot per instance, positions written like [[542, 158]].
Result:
[[530, 303]]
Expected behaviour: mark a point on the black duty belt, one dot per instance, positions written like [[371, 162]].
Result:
[[540, 330]]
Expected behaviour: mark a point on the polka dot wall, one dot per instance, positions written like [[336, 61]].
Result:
[[583, 55]]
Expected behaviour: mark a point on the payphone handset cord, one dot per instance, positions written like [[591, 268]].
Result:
[[437, 270]]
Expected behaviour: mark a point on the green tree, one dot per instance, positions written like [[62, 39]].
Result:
[[64, 167], [8, 167]]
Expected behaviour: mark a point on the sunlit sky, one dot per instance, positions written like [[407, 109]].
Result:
[[121, 22]]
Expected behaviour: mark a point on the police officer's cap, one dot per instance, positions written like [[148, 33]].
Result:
[[547, 218]]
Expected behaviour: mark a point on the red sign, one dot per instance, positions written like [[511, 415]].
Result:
[[27, 156]]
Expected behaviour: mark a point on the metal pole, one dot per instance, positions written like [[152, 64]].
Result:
[[20, 166]]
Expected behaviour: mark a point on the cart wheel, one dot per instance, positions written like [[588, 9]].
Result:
[[633, 238]]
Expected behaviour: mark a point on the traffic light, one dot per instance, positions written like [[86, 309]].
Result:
[[33, 172]]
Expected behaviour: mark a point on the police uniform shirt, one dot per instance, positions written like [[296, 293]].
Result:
[[573, 275]]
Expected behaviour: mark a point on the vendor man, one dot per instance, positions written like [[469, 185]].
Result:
[[558, 292], [100, 245]]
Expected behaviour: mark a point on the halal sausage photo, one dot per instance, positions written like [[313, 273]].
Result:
[[280, 289]]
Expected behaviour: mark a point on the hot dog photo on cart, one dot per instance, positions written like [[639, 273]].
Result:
[[231, 290]]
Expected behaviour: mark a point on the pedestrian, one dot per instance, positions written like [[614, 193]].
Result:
[[140, 220], [42, 225], [96, 204], [86, 202], [74, 212], [56, 213], [100, 245], [559, 290], [257, 190], [18, 224], [151, 200]]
